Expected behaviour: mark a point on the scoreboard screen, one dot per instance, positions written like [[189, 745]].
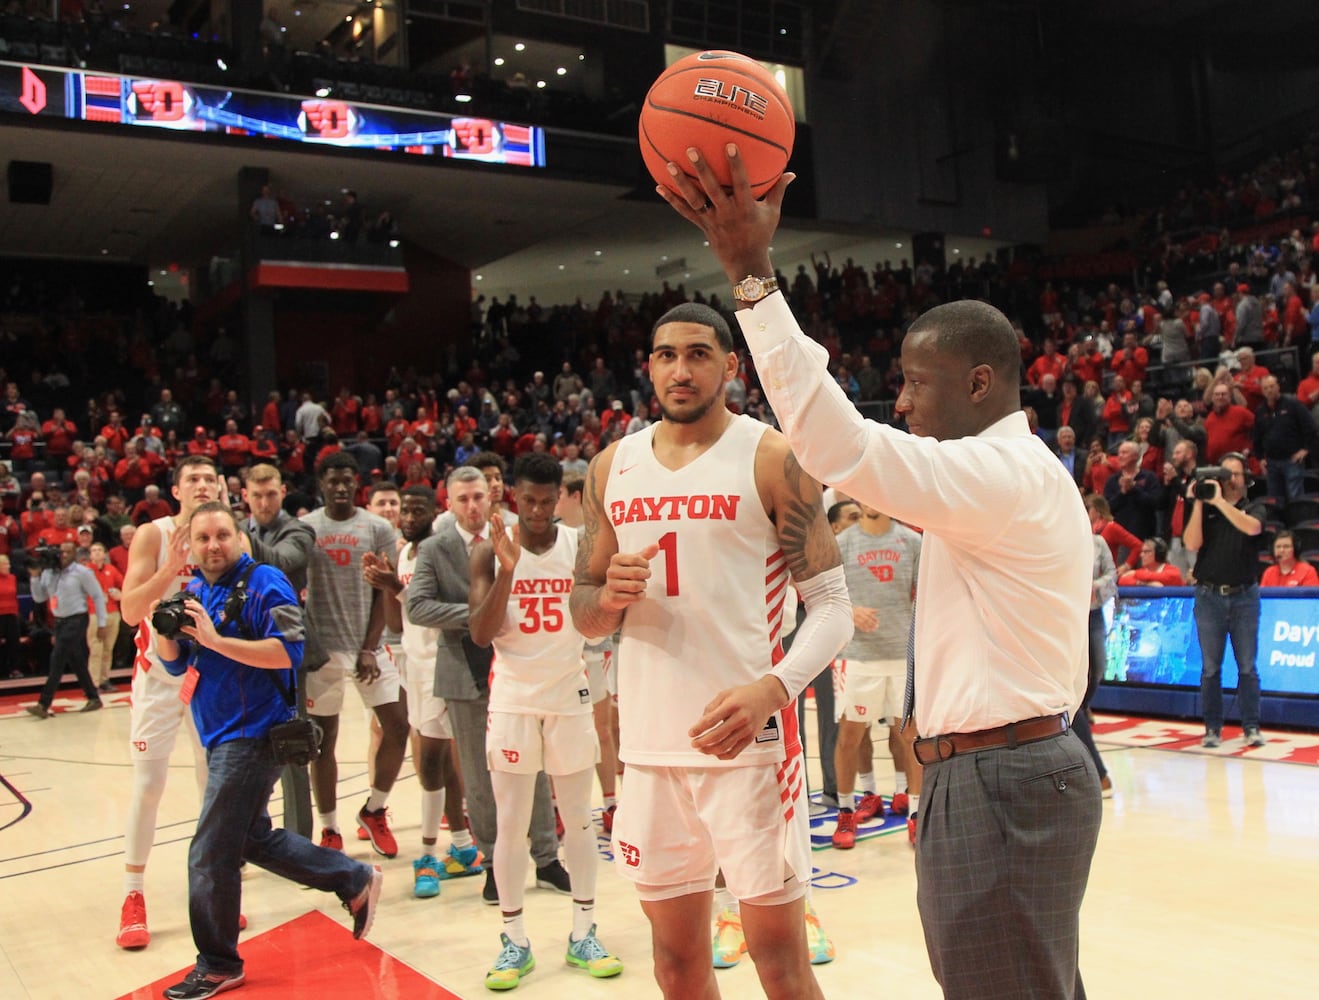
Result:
[[46, 91]]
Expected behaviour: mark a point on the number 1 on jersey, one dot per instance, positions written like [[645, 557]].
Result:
[[668, 544]]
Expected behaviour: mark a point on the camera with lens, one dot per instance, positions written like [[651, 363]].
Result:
[[1203, 478], [170, 617], [296, 742], [45, 556]]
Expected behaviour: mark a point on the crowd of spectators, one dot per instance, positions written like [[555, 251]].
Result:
[[276, 213]]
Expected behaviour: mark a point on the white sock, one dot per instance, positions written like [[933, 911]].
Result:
[[376, 800], [330, 820], [610, 802], [866, 782], [583, 919], [432, 808], [516, 930], [134, 882], [913, 804], [725, 900], [902, 781], [461, 838]]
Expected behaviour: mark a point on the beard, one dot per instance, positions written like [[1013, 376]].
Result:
[[699, 409]]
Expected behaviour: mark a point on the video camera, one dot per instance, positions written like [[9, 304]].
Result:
[[45, 556], [1208, 474]]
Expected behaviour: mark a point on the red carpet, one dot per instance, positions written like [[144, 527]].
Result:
[[314, 956]]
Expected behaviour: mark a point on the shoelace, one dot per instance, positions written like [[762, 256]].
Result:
[[590, 948], [510, 957]]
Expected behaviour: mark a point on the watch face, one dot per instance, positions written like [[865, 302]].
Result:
[[753, 288]]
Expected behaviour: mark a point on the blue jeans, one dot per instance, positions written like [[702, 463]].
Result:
[[1218, 616], [234, 827], [1286, 479]]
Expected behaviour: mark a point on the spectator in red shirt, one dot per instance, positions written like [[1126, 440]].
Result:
[[60, 529], [1248, 378], [1131, 360], [151, 506], [293, 455], [23, 438], [116, 434], [265, 445], [100, 643], [345, 413], [270, 414], [1119, 539], [60, 433], [1228, 426], [134, 471], [201, 444], [1050, 362], [396, 430], [9, 631], [119, 554], [11, 534], [1154, 569], [1086, 362], [371, 418], [36, 519], [1308, 391], [234, 448], [1286, 570], [1295, 322], [11, 492], [1115, 415]]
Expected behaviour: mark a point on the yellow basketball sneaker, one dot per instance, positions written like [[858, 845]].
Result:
[[817, 941], [594, 957], [730, 944]]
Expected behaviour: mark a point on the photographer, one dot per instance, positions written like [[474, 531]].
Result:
[[1225, 533], [57, 577], [236, 637]]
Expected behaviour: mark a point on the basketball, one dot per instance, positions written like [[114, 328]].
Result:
[[709, 99]]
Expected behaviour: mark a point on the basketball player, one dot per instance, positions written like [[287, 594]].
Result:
[[382, 500], [347, 616], [682, 521], [158, 566], [879, 560], [433, 753], [540, 711], [600, 671]]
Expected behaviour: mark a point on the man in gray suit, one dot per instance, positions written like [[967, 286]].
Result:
[[279, 539], [437, 598]]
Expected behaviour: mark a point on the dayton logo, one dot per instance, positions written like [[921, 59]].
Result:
[[512, 756], [631, 855]]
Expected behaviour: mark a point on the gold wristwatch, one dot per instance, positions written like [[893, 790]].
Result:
[[752, 289]]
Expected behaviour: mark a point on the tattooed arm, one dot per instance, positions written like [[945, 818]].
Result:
[[732, 720], [606, 582]]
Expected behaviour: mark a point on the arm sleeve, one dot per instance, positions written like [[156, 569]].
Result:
[[827, 629]]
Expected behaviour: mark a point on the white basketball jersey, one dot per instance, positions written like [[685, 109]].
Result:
[[420, 644], [538, 665], [145, 640], [713, 609]]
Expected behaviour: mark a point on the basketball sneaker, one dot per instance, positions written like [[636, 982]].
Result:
[[911, 829], [899, 804], [730, 944], [376, 826], [332, 839], [426, 877], [363, 905], [870, 807], [459, 862], [554, 876], [607, 819], [817, 941], [591, 955], [844, 837], [133, 931], [513, 963], [199, 985]]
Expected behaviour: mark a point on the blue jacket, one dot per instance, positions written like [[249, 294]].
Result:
[[233, 700]]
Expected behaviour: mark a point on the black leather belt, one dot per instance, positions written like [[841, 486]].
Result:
[[1225, 589], [1014, 734]]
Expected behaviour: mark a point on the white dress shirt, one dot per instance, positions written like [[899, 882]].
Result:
[[1005, 569]]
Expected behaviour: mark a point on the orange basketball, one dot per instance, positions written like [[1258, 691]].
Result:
[[709, 99]]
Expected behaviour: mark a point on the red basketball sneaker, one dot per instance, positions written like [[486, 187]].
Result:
[[870, 806], [844, 837], [133, 931], [899, 804]]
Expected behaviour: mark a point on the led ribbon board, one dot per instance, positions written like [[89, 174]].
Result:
[[46, 91]]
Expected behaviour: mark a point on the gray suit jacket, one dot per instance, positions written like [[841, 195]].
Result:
[[437, 598], [286, 545]]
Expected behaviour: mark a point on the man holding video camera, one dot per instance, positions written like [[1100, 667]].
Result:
[[235, 634], [1223, 530]]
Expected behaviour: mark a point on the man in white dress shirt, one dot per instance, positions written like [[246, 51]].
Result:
[[1011, 798]]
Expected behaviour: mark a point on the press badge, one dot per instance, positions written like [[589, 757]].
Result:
[[189, 685]]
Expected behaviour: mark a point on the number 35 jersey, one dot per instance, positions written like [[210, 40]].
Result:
[[713, 609], [538, 666]]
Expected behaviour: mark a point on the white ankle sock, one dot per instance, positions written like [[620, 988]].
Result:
[[461, 838], [583, 919], [866, 782], [134, 882], [516, 929], [725, 900], [376, 800], [330, 820]]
